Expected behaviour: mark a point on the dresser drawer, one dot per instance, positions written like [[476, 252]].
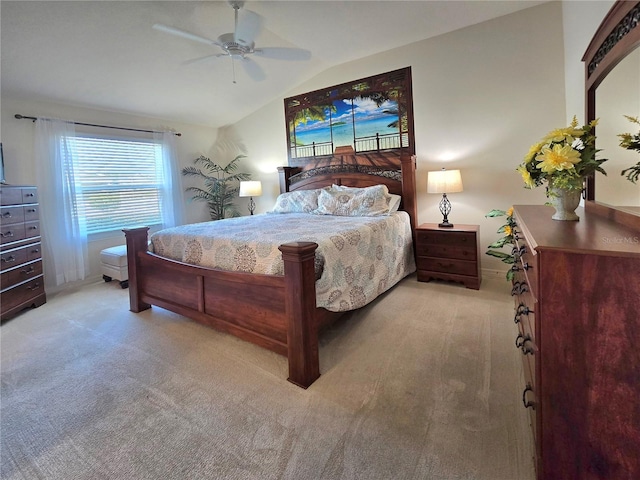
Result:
[[31, 229], [20, 274], [12, 233], [448, 265], [11, 215], [29, 195], [22, 294], [10, 195], [31, 213], [16, 256]]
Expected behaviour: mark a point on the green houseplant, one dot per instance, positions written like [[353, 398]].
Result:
[[221, 185], [631, 142]]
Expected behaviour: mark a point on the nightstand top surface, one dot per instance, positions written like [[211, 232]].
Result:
[[457, 227]]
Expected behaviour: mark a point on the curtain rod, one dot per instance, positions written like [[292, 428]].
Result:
[[20, 117]]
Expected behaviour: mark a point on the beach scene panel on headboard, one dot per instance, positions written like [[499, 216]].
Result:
[[368, 121]]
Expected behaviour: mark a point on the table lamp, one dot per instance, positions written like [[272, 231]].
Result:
[[251, 188], [444, 181]]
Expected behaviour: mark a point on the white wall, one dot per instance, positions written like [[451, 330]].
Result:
[[580, 20], [18, 140], [482, 95]]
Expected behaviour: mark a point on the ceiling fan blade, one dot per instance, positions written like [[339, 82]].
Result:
[[283, 53], [183, 34], [254, 70], [200, 59], [248, 27]]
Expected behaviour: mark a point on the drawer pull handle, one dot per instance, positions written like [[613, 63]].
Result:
[[526, 266], [526, 403], [515, 268], [35, 250], [32, 210], [28, 271], [29, 195], [523, 310], [519, 340], [33, 227], [519, 288], [7, 234], [527, 350], [448, 265], [36, 286], [9, 259], [6, 214]]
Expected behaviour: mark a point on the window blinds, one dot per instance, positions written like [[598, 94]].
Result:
[[118, 182]]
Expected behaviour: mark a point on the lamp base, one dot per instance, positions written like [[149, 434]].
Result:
[[445, 224]]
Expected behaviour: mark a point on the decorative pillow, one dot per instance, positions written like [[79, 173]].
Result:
[[394, 202], [300, 201], [354, 202]]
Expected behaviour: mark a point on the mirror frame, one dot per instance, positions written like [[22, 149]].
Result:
[[617, 36]]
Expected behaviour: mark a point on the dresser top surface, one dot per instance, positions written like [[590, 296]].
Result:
[[591, 234]]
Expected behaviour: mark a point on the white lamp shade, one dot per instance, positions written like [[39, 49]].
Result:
[[252, 188], [444, 181]]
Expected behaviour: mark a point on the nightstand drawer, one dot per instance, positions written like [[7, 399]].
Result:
[[447, 251], [448, 265], [445, 237]]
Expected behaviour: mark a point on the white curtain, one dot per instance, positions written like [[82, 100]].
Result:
[[171, 199], [64, 236]]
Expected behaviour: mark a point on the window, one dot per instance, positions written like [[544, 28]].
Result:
[[119, 182]]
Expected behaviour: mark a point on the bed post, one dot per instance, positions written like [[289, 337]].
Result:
[[409, 188], [136, 242], [302, 329]]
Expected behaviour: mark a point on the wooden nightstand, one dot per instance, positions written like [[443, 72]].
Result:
[[449, 254]]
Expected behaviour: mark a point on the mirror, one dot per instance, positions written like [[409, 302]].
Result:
[[616, 96], [612, 67]]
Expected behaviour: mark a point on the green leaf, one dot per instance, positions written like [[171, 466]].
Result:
[[495, 213]]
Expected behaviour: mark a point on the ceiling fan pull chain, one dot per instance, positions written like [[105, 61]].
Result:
[[233, 68]]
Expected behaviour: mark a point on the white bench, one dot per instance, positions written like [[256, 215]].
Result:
[[114, 265]]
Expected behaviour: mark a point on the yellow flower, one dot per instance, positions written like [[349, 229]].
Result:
[[533, 150], [507, 231], [510, 212], [557, 158], [526, 176]]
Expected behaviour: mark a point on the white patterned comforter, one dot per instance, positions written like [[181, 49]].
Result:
[[357, 259]]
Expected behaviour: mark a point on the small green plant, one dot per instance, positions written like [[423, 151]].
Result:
[[221, 185], [631, 142], [506, 240]]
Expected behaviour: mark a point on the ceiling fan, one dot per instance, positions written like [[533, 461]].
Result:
[[240, 45]]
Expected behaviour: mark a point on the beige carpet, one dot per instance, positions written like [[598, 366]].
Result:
[[425, 383]]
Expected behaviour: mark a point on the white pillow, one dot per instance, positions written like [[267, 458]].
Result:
[[354, 202], [300, 201]]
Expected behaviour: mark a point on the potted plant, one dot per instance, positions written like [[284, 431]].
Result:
[[631, 142], [563, 159], [221, 185]]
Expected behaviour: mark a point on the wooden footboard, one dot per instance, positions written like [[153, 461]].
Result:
[[275, 312]]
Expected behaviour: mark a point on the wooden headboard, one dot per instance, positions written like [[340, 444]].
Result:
[[400, 182]]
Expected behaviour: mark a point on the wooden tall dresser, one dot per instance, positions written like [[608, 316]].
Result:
[[21, 253], [577, 291]]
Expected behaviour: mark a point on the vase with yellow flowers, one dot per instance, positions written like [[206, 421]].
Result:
[[562, 160]]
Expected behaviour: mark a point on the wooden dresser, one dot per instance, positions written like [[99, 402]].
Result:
[[449, 254], [577, 291], [21, 253]]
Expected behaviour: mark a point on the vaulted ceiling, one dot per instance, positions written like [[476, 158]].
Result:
[[106, 55]]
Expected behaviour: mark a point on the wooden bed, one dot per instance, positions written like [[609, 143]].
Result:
[[275, 312]]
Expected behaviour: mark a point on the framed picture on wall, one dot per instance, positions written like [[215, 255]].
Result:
[[370, 117]]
